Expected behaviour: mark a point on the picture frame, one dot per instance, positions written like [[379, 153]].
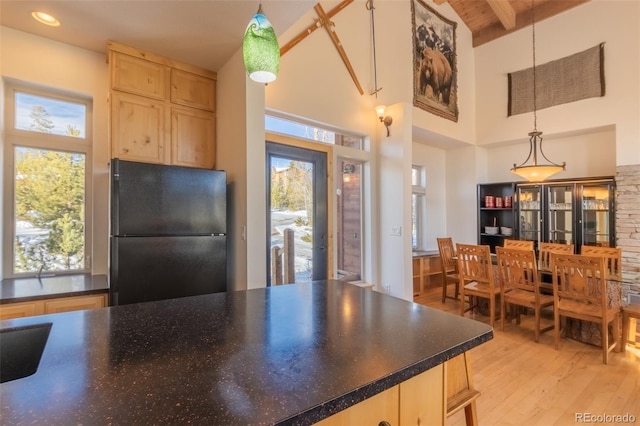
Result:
[[435, 71]]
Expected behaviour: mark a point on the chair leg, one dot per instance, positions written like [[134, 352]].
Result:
[[492, 310], [605, 341], [556, 325], [471, 414], [536, 335], [444, 287], [503, 312], [617, 333]]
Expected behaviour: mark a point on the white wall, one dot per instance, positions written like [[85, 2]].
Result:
[[592, 153], [36, 60], [613, 22], [241, 152], [315, 84]]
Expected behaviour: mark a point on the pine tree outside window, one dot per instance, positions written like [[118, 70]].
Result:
[[46, 227]]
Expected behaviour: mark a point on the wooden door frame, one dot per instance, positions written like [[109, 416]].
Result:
[[328, 150]]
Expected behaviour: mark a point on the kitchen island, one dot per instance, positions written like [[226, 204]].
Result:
[[293, 354]]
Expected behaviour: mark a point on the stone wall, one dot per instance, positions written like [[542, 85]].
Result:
[[628, 219]]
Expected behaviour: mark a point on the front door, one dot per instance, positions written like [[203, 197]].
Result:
[[296, 214]]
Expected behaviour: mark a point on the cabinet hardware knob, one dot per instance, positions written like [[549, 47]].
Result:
[[125, 149], [147, 140], [384, 423]]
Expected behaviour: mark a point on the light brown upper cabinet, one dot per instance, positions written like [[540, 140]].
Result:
[[193, 90], [162, 111], [137, 128]]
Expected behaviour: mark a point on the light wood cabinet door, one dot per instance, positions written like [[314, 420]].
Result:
[[137, 128], [192, 138], [372, 411], [193, 90], [21, 309], [422, 398], [76, 303], [138, 76]]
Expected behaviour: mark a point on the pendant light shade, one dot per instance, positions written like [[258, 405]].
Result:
[[532, 171], [260, 49]]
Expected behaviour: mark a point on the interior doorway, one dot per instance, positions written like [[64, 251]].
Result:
[[297, 214]]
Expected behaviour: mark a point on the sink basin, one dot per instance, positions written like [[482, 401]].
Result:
[[21, 349]]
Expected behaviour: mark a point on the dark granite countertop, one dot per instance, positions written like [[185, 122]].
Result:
[[290, 354], [28, 289]]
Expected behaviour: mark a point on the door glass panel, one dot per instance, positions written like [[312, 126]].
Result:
[[561, 215], [349, 241], [595, 215], [291, 221], [529, 207]]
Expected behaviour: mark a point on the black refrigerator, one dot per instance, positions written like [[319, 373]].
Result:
[[168, 232]]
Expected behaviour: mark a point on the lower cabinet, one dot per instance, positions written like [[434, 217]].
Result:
[[52, 306], [417, 401]]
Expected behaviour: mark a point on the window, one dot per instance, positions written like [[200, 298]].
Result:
[[47, 174], [417, 206], [314, 133]]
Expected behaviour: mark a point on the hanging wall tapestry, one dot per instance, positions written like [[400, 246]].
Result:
[[434, 62], [565, 80]]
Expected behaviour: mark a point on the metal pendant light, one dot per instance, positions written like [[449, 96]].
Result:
[[534, 172], [260, 49]]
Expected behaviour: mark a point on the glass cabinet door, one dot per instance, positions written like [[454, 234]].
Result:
[[595, 218], [560, 227], [529, 201]]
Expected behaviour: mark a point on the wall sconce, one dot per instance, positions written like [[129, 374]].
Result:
[[347, 170], [386, 120]]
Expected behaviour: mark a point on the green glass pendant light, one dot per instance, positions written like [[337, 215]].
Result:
[[260, 49]]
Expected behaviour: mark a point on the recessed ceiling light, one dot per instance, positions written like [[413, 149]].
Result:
[[46, 19]]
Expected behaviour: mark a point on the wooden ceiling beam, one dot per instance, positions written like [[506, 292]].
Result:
[[504, 12], [311, 28], [543, 11]]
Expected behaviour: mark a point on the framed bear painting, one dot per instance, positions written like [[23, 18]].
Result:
[[435, 87]]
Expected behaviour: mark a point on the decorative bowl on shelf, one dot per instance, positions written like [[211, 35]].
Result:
[[491, 230], [506, 231]]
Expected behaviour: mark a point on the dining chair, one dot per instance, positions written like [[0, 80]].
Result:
[[520, 286], [580, 292], [612, 258], [544, 260], [544, 254], [476, 278], [449, 267], [518, 244]]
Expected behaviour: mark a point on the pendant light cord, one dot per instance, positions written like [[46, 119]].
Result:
[[370, 7], [533, 31]]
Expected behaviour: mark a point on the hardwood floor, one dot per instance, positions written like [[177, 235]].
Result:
[[527, 383]]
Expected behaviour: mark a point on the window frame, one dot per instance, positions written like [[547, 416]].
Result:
[[38, 140], [420, 192], [362, 155]]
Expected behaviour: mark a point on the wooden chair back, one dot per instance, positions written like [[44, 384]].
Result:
[[579, 278], [546, 249], [474, 264], [518, 270], [447, 254], [612, 258], [518, 244], [580, 291]]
